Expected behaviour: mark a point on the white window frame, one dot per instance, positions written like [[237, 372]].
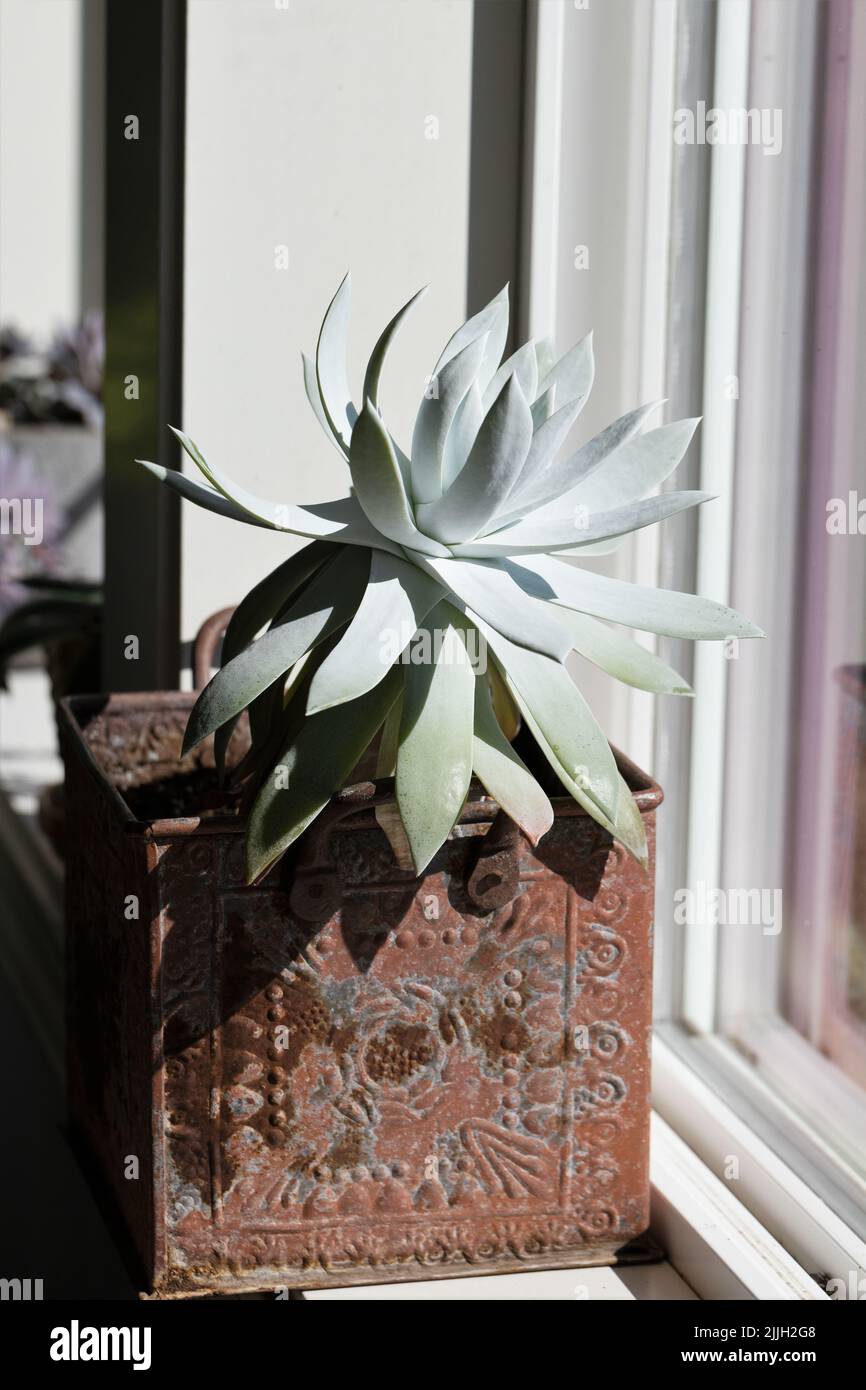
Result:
[[790, 1116]]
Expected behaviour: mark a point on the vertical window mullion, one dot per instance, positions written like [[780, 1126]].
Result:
[[677, 561], [727, 176]]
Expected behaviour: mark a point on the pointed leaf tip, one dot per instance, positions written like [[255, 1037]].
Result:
[[383, 344]]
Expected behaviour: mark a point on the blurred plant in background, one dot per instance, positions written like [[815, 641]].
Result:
[[60, 384], [20, 562], [40, 606], [44, 601]]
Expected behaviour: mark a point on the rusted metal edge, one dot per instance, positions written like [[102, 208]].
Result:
[[76, 710], [642, 1250]]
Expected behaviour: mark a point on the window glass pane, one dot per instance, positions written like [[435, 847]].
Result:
[[51, 362], [792, 966]]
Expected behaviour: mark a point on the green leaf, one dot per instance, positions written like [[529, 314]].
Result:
[[491, 591], [534, 538], [379, 486], [634, 471], [267, 597], [545, 356], [435, 417], [268, 720], [343, 520], [386, 758], [557, 480], [622, 657], [522, 364], [504, 705], [334, 392], [461, 436], [543, 408], [397, 599], [259, 607], [626, 826], [608, 547], [316, 763], [371, 385], [276, 715], [206, 497], [503, 773], [311, 387], [547, 440], [664, 611], [380, 351], [388, 812], [491, 323], [550, 701], [572, 375], [327, 603], [494, 462], [434, 761]]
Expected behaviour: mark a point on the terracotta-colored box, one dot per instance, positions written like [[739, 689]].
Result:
[[347, 1074]]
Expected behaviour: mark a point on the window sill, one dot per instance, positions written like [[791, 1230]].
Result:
[[737, 1126], [633, 1283]]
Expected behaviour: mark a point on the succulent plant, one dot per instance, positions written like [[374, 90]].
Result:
[[460, 539]]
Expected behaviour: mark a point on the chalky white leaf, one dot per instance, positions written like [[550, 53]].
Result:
[[331, 365], [491, 324], [504, 775], [398, 597], [434, 760], [495, 461]]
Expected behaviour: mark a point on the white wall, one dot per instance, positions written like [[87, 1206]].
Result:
[[306, 127], [40, 165]]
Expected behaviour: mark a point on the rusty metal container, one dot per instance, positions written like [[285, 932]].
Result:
[[348, 1074]]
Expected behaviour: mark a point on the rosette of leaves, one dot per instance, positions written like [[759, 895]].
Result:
[[464, 535]]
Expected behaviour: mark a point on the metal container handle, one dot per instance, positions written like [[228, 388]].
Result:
[[205, 644], [315, 891], [494, 879]]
